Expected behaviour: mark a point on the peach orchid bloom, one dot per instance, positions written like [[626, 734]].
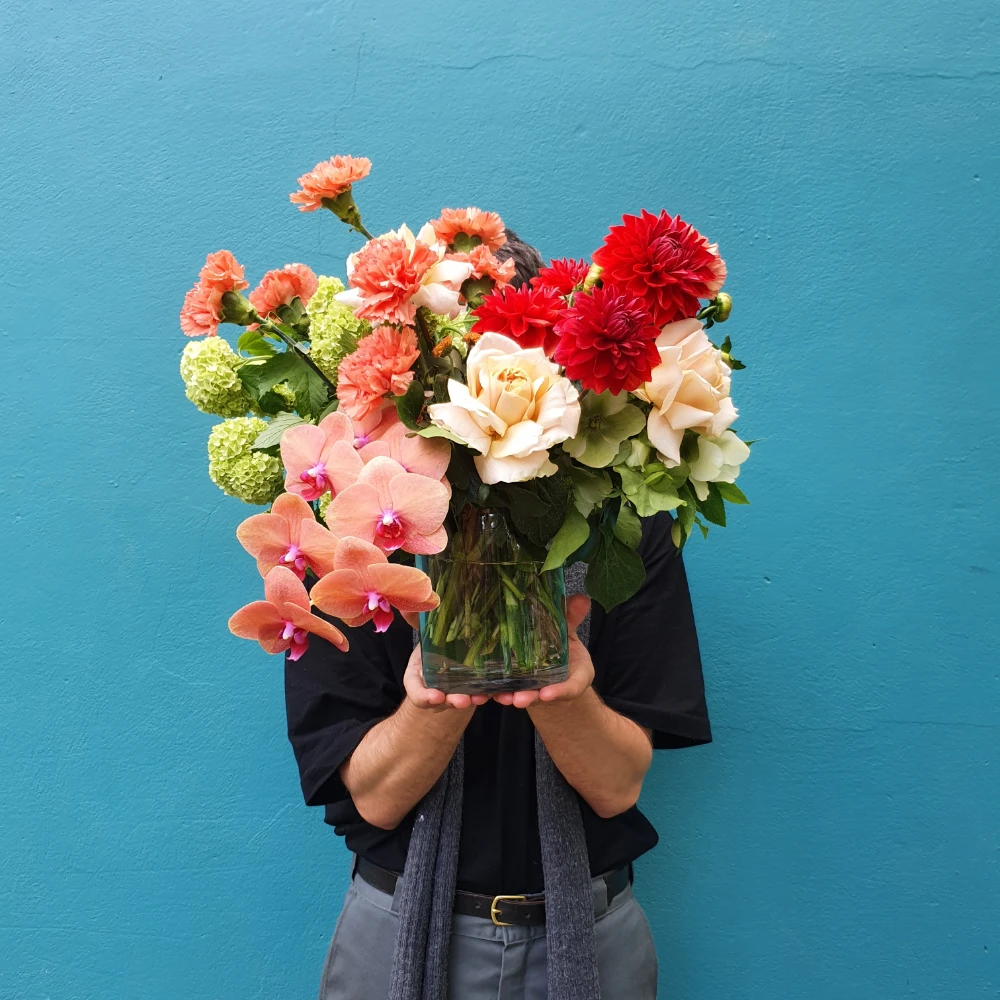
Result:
[[288, 535], [424, 456], [320, 459], [392, 508], [365, 585], [283, 619]]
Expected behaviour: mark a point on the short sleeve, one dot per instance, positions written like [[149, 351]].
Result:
[[645, 651], [332, 698]]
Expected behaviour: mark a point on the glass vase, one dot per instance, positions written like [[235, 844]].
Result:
[[501, 623]]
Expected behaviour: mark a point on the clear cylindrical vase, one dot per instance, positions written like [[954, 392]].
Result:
[[501, 623]]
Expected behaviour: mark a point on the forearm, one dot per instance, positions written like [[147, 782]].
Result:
[[603, 755], [400, 759]]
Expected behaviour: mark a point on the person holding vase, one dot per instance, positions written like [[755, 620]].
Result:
[[494, 836]]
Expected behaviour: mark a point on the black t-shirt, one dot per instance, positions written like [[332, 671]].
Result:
[[647, 667]]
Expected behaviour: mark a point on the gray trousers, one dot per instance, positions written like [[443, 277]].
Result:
[[486, 961]]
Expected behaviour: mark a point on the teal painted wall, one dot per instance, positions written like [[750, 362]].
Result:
[[839, 841]]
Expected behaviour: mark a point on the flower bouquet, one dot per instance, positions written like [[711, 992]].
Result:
[[442, 436]]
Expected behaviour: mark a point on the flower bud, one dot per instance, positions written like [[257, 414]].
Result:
[[593, 276], [723, 307], [236, 309]]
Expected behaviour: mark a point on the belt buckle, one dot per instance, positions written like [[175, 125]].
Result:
[[494, 912]]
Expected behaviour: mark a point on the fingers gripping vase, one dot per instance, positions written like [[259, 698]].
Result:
[[501, 623]]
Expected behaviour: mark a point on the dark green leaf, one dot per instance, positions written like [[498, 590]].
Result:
[[732, 493], [311, 392], [628, 527], [712, 506], [331, 408], [703, 528], [615, 572], [686, 514], [259, 377], [572, 533], [409, 405], [537, 507], [271, 435]]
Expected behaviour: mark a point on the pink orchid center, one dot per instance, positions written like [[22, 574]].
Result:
[[297, 638], [382, 610], [316, 478], [295, 560], [390, 530], [361, 440]]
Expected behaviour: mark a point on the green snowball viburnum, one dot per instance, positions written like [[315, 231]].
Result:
[[333, 329], [252, 476], [606, 420], [210, 369]]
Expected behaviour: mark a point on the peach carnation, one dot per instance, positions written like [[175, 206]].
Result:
[[393, 274], [279, 287], [488, 226], [380, 365], [328, 180], [202, 309], [486, 265]]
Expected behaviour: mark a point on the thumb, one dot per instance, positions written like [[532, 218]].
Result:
[[577, 606]]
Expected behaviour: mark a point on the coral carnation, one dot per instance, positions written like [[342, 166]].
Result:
[[328, 180], [607, 340], [663, 260], [488, 226], [279, 287], [486, 265], [380, 365], [393, 274], [561, 276], [202, 309], [525, 314]]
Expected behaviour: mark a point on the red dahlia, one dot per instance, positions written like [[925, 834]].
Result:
[[561, 276], [525, 314], [664, 261], [607, 340]]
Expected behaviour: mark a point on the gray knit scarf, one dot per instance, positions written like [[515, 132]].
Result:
[[427, 891]]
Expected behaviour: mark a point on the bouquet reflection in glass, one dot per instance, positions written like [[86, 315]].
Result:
[[501, 623]]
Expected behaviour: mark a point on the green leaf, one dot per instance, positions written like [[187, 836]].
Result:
[[332, 408], [590, 489], [271, 435], [253, 342], [703, 528], [409, 405], [732, 493], [628, 527], [615, 572], [647, 498], [260, 376], [439, 432], [713, 507], [536, 507], [573, 532], [686, 513], [311, 392]]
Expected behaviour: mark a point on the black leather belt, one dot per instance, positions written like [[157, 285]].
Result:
[[503, 910]]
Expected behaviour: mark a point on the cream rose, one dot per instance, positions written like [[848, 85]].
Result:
[[516, 406], [719, 460], [689, 388]]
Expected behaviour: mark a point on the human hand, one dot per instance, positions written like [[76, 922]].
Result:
[[581, 667], [421, 696]]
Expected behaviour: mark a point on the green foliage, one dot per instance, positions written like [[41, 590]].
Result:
[[440, 432], [271, 435], [410, 404], [537, 507], [255, 343], [572, 534], [606, 422], [712, 507], [628, 527], [310, 392], [590, 489], [615, 571], [649, 491], [731, 492]]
